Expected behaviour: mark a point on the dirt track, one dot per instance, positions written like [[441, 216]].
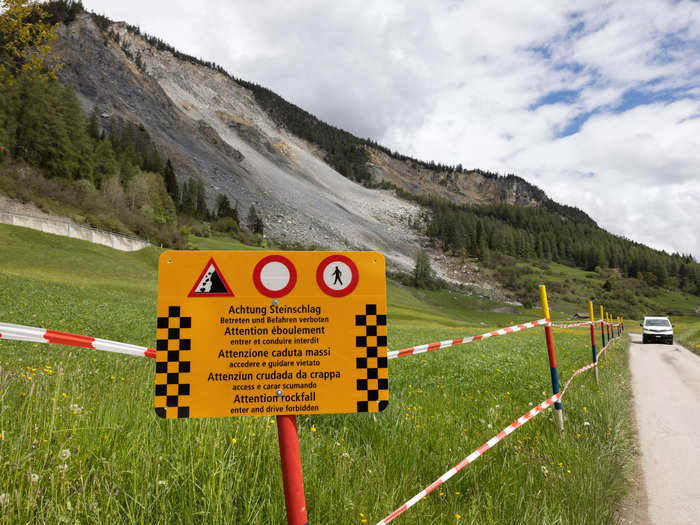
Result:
[[666, 383]]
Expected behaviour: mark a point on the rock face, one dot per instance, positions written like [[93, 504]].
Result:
[[473, 187], [212, 128]]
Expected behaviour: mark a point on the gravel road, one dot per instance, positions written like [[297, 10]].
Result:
[[666, 383]]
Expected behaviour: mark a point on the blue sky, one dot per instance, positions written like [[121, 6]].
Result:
[[596, 102]]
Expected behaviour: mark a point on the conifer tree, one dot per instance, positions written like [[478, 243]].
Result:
[[200, 199], [422, 272], [93, 128], [189, 197], [171, 181], [255, 222], [223, 208]]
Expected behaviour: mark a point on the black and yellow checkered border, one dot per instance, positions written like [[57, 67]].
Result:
[[173, 365], [374, 342]]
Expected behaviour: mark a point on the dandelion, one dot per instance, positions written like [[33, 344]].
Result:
[[234, 440], [76, 409], [64, 454], [458, 517], [568, 471], [313, 428]]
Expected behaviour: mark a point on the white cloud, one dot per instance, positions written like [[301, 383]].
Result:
[[456, 82]]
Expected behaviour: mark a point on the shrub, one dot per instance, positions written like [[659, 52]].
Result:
[[227, 225]]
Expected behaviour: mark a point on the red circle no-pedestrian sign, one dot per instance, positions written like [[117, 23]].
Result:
[[337, 275]]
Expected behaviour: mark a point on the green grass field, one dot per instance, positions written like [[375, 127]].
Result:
[[686, 331], [81, 443], [219, 242]]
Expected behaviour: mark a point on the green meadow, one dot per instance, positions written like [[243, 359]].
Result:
[[80, 441]]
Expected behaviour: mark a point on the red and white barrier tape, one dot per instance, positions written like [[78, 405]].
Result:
[[571, 325], [41, 335], [579, 371], [611, 324], [490, 443], [473, 456], [462, 340], [604, 348]]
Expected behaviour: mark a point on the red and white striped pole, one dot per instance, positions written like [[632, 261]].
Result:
[[552, 357], [595, 355]]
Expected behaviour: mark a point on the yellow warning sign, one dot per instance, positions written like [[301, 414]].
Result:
[[270, 333]]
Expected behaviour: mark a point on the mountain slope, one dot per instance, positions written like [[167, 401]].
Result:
[[213, 129]]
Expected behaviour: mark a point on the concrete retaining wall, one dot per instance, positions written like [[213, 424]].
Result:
[[71, 229]]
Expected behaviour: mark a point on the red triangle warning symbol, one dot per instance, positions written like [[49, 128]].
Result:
[[211, 283]]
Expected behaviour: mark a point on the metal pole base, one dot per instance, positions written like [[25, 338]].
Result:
[[596, 374], [560, 419]]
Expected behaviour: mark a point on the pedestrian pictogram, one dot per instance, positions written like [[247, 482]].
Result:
[[302, 335], [211, 283], [337, 275], [275, 276]]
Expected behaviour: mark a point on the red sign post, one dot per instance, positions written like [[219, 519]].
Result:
[[292, 478]]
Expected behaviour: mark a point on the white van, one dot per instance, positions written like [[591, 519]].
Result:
[[657, 329]]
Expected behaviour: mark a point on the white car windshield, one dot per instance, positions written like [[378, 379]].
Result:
[[657, 322]]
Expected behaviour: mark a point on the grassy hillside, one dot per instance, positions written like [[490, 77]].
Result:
[[567, 286], [81, 441]]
